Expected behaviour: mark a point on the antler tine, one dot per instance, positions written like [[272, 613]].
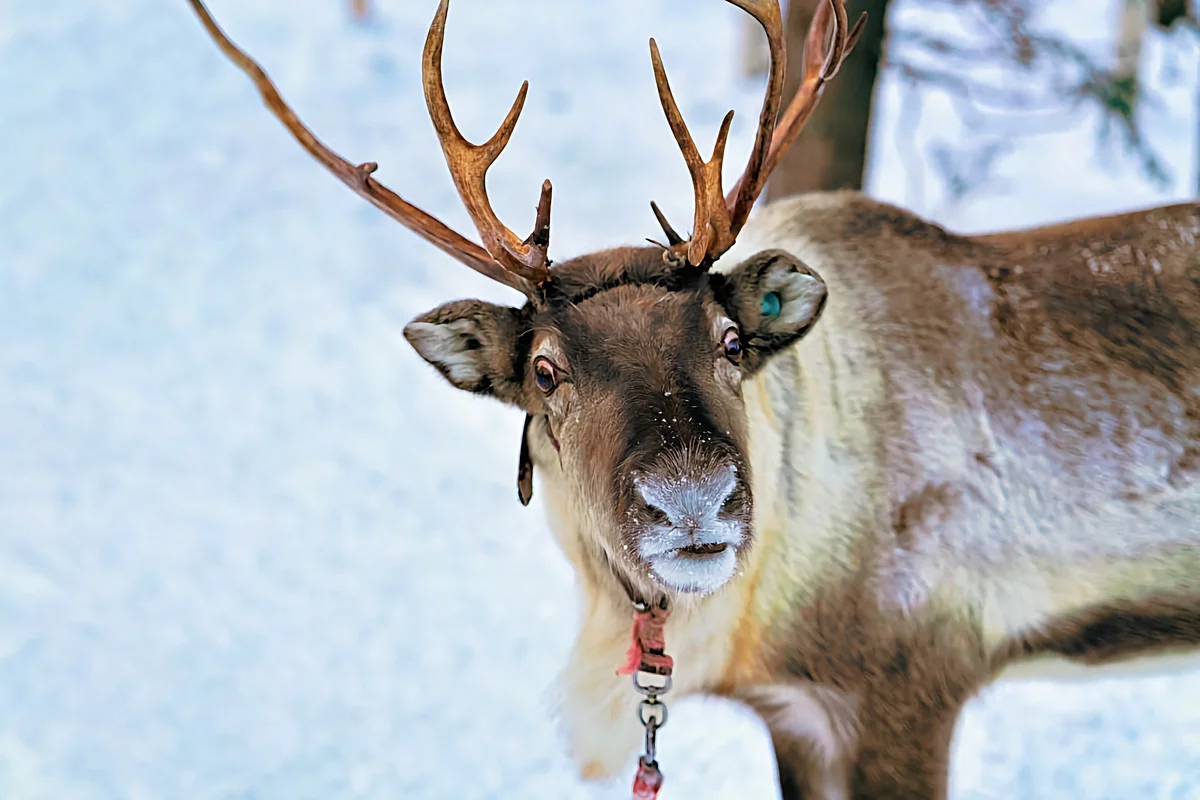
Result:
[[712, 223], [720, 219], [358, 177], [673, 238], [816, 60], [821, 63], [469, 164], [754, 177]]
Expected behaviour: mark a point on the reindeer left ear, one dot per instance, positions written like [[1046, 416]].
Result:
[[775, 299], [472, 344]]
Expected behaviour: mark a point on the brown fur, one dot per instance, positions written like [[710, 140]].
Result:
[[947, 367], [911, 678], [986, 451], [1111, 299], [1119, 631]]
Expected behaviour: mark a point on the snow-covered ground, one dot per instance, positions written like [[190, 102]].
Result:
[[250, 546]]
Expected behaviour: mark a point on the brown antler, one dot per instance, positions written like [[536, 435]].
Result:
[[820, 65], [719, 218], [712, 222], [469, 164], [359, 179]]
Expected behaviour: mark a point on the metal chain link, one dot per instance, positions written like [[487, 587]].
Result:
[[652, 712]]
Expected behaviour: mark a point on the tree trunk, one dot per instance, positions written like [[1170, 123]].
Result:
[[832, 151], [1171, 11], [1135, 15], [1167, 13]]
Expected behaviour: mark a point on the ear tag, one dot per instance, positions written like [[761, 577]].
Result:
[[772, 304]]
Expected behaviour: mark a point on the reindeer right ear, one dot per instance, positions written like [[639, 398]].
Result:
[[472, 344], [776, 299]]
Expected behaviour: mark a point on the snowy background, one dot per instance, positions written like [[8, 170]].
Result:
[[250, 546]]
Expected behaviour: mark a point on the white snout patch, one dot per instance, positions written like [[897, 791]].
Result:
[[696, 549]]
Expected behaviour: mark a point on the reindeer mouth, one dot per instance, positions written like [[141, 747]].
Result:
[[702, 550], [684, 533], [697, 568]]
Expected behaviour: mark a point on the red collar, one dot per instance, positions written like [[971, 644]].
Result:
[[646, 647]]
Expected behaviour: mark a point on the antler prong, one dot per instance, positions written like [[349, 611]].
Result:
[[673, 238], [365, 170], [679, 128], [818, 69], [852, 38], [469, 164], [711, 226], [741, 199], [539, 239], [358, 178], [495, 145], [525, 264], [720, 219], [818, 35], [722, 138]]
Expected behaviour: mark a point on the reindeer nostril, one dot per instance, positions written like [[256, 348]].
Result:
[[685, 500], [655, 515]]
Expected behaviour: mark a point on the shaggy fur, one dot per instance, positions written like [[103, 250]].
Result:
[[964, 455]]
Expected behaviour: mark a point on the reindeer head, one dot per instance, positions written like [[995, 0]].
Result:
[[629, 362], [629, 368]]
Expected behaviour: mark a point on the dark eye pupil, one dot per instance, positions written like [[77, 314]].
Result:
[[544, 377], [733, 346]]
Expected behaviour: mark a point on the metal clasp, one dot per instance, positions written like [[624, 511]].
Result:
[[652, 712], [653, 715], [653, 684]]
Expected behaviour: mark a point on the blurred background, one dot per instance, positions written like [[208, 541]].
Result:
[[252, 547]]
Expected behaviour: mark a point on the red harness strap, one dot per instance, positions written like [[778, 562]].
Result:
[[647, 781], [646, 654], [646, 648]]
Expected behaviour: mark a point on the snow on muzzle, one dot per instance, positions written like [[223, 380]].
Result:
[[691, 526]]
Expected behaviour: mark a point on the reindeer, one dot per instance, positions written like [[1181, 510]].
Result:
[[867, 464]]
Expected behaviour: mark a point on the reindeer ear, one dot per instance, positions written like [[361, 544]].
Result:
[[472, 344], [775, 299]]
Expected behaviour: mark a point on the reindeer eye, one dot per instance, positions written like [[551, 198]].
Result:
[[546, 375], [732, 345]]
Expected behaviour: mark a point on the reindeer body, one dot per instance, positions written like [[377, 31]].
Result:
[[986, 453], [984, 456]]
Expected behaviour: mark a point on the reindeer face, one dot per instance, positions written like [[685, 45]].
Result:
[[633, 377], [628, 362]]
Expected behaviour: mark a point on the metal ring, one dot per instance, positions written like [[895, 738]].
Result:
[[652, 689], [651, 743], [657, 713]]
